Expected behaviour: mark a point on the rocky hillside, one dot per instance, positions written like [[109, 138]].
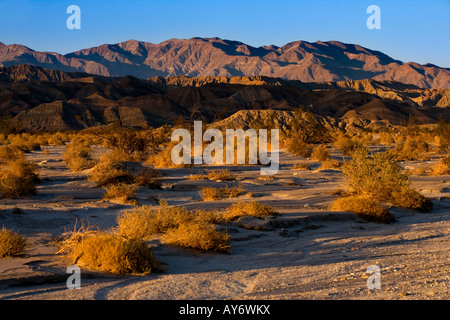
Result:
[[204, 57], [78, 101]]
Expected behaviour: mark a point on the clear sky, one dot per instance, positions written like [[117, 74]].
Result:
[[411, 30]]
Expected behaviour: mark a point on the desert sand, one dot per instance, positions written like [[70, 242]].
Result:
[[308, 252]]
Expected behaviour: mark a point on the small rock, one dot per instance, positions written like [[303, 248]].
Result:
[[403, 293]]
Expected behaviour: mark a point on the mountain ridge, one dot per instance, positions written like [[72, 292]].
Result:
[[201, 57]]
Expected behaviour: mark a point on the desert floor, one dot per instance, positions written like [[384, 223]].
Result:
[[308, 252]]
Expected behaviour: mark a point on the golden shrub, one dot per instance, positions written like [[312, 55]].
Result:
[[363, 206], [252, 208], [18, 179], [346, 144], [11, 243], [225, 175], [409, 198], [320, 153], [442, 166], [330, 164], [199, 176], [413, 148], [148, 178], [8, 153], [301, 166], [197, 235], [108, 252], [163, 159], [122, 192], [77, 156], [110, 171], [297, 147], [144, 222], [212, 194]]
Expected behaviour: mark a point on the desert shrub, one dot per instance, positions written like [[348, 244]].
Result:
[[443, 133], [411, 199], [412, 148], [197, 235], [298, 148], [307, 128], [58, 139], [225, 175], [379, 178], [301, 166], [422, 169], [135, 144], [148, 178], [199, 176], [163, 159], [122, 192], [364, 207], [330, 164], [266, 178], [109, 170], [253, 209], [212, 194], [320, 153], [386, 138], [209, 216], [145, 221], [232, 192], [18, 179], [442, 166], [11, 243], [7, 126], [346, 144], [8, 153], [178, 226], [375, 176], [77, 155], [108, 252], [24, 142]]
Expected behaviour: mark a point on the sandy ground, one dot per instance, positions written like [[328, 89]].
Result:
[[306, 253]]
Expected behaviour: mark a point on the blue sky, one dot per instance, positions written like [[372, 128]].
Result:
[[414, 30]]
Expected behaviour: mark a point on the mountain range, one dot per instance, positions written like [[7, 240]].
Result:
[[39, 99], [205, 57]]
